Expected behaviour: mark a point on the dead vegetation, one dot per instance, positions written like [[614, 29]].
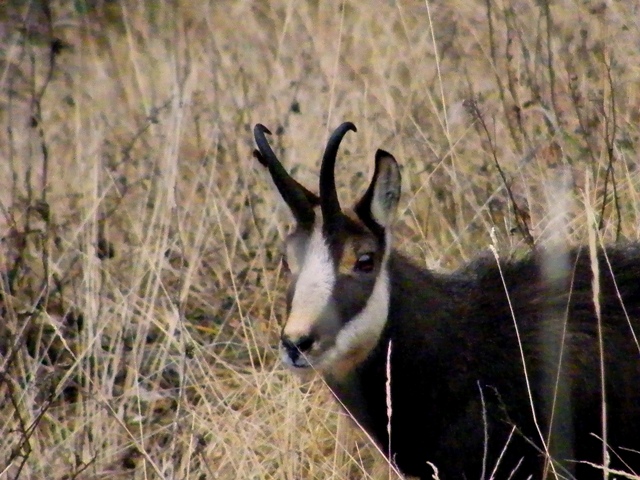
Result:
[[140, 275]]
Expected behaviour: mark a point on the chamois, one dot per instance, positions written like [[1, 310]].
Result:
[[495, 371]]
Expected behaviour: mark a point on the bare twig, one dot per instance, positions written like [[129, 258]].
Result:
[[520, 216], [611, 127]]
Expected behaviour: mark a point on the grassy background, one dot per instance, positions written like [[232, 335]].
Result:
[[141, 290]]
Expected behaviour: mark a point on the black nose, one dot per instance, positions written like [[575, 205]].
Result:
[[295, 348]]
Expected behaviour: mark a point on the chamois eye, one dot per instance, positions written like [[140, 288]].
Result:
[[364, 263]]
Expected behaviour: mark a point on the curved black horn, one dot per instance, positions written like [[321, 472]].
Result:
[[300, 200], [328, 195]]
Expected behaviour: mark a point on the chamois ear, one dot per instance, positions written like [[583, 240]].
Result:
[[378, 206]]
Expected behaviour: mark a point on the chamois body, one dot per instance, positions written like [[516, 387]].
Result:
[[453, 337], [499, 370]]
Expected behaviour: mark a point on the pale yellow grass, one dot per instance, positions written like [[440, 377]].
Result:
[[145, 132]]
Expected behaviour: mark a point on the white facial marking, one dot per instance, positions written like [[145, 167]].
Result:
[[313, 287], [364, 330], [295, 249]]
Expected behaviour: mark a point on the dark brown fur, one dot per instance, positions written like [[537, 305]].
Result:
[[461, 397], [453, 338]]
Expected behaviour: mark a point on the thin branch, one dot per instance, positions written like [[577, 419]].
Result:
[[611, 127], [520, 216]]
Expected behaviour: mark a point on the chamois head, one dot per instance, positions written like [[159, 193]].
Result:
[[338, 298]]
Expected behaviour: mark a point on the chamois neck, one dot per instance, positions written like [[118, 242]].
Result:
[[414, 293], [416, 289]]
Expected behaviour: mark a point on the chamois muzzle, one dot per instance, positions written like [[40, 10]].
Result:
[[329, 203], [295, 350]]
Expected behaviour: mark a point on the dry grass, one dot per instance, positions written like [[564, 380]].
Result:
[[140, 267]]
